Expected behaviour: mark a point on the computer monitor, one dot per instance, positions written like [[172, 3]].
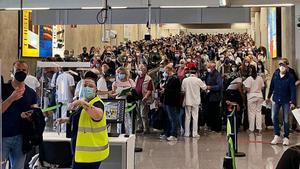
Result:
[[115, 110]]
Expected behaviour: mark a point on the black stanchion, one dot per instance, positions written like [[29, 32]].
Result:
[[237, 153], [232, 120], [136, 149], [227, 164]]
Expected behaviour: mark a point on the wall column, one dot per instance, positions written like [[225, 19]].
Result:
[[264, 27], [287, 34], [257, 29]]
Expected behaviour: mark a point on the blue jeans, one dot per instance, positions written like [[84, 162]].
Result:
[[181, 117], [173, 118], [275, 112], [12, 151]]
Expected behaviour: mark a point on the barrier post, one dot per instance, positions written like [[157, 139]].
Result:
[[235, 141]]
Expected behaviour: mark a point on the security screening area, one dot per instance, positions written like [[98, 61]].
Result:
[[150, 84]]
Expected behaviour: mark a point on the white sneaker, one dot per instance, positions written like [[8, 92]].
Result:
[[172, 138], [276, 140], [163, 137], [196, 136], [286, 142], [186, 135]]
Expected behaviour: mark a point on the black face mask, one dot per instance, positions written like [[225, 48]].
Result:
[[20, 76]]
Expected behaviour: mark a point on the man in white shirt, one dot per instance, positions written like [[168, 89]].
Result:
[[32, 82], [191, 87], [102, 84], [65, 85]]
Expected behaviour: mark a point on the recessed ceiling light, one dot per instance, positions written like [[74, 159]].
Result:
[[183, 6], [268, 5], [14, 9]]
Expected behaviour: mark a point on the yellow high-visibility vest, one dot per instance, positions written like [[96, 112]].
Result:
[[92, 138]]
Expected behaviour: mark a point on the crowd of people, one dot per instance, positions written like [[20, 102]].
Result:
[[174, 80]]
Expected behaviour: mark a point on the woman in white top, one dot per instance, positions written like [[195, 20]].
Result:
[[254, 85]]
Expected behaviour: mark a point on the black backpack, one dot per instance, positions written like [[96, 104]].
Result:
[[33, 130]]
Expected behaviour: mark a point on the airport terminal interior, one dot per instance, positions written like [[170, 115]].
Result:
[[150, 84]]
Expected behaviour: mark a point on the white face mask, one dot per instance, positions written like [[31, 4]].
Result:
[[282, 69], [208, 70], [139, 72], [234, 69]]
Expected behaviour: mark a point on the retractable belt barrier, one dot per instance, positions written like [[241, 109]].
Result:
[[58, 105]]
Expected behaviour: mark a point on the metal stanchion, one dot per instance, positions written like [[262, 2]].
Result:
[[235, 141], [232, 138], [136, 149]]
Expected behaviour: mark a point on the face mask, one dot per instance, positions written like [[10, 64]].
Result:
[[259, 66], [208, 70], [227, 61], [155, 51], [112, 79], [121, 76], [161, 69], [234, 69], [20, 76], [177, 55], [165, 74], [282, 69], [107, 60], [87, 93], [139, 72]]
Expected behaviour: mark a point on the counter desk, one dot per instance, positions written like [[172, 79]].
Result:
[[121, 150]]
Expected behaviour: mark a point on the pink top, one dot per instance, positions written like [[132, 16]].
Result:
[[181, 73]]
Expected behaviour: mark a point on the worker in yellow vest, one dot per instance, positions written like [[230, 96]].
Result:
[[88, 127]]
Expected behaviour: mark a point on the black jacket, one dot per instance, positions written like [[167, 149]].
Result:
[[33, 130], [172, 91]]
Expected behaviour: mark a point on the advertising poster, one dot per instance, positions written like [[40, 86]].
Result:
[[30, 36], [38, 40], [58, 43], [272, 32], [45, 41]]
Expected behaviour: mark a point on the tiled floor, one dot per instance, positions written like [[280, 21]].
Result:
[[208, 152]]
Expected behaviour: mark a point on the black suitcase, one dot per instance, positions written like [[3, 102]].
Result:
[[268, 116]]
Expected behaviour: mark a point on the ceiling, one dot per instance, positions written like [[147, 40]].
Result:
[[78, 4]]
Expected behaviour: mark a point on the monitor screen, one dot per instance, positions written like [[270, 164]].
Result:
[[115, 109]]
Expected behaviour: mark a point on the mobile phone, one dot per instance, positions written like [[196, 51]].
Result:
[[30, 111]]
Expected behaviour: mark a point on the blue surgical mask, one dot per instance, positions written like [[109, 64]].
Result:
[[121, 76], [165, 74], [87, 93]]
